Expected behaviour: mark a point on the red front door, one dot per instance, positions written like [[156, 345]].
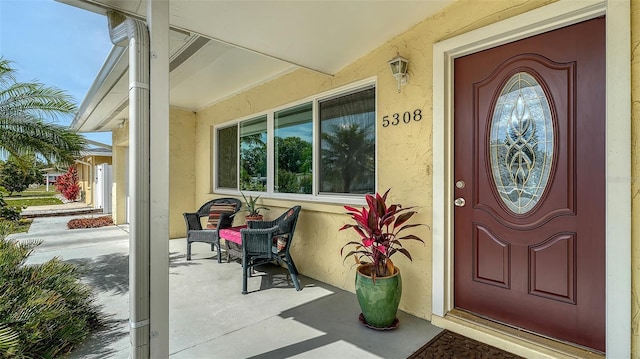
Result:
[[530, 184]]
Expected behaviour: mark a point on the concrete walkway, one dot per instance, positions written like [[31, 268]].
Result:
[[209, 317], [65, 209]]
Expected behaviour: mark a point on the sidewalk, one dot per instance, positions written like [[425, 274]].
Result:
[[65, 209], [210, 318]]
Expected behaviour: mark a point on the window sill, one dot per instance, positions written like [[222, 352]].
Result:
[[321, 203]]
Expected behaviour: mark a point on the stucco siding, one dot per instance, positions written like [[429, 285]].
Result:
[[120, 141], [404, 158], [181, 169]]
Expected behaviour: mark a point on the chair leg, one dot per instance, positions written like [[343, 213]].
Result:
[[245, 269], [294, 274], [188, 250], [290, 261], [219, 252]]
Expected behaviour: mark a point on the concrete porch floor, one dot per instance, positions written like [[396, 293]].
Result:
[[210, 318]]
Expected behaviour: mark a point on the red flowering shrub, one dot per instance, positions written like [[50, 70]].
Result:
[[90, 222], [67, 184]]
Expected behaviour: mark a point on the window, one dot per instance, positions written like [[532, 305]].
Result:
[[347, 143], [293, 136], [227, 158], [253, 154], [323, 147]]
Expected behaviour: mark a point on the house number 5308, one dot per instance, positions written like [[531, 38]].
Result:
[[405, 117]]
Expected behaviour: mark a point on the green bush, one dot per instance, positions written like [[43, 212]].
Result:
[[45, 311], [8, 212]]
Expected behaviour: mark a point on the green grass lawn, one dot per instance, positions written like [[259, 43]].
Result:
[[35, 192], [21, 202], [21, 226]]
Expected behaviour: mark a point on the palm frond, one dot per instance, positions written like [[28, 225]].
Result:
[[28, 112], [51, 141], [9, 340]]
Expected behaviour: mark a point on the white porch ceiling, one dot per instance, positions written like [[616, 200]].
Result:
[[250, 42]]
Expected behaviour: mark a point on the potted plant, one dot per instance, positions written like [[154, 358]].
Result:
[[382, 229], [252, 208]]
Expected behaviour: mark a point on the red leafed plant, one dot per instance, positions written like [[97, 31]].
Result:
[[67, 184], [379, 226]]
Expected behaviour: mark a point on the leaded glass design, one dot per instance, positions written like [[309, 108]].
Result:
[[521, 143]]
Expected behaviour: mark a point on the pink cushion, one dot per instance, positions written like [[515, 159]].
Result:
[[232, 234]]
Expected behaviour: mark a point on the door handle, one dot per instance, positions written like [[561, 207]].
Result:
[[459, 202]]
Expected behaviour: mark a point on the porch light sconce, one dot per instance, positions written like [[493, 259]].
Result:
[[121, 123], [399, 66]]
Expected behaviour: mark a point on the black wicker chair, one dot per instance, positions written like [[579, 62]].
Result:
[[195, 232], [268, 241]]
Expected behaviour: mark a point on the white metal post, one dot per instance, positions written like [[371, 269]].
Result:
[[158, 22]]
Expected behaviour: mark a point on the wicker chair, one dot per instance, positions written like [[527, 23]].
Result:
[[268, 241], [195, 232]]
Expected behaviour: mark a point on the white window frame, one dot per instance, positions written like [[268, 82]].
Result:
[[356, 199]]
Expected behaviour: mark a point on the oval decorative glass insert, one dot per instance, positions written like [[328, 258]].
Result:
[[521, 143]]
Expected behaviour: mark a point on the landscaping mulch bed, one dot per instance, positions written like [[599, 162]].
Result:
[[93, 222], [450, 345]]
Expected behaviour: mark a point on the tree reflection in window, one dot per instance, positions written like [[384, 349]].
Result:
[[294, 152], [253, 154], [347, 143], [227, 151]]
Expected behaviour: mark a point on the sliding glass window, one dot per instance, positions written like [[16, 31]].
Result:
[[293, 138], [253, 154], [227, 158], [348, 143], [324, 147]]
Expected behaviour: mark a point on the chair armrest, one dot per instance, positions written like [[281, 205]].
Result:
[[257, 240], [260, 224], [192, 220], [259, 231]]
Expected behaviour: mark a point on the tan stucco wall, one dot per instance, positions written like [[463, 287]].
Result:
[[182, 168], [635, 174], [120, 143], [404, 151], [404, 159], [84, 181]]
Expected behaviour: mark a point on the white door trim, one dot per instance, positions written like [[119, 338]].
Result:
[[618, 149]]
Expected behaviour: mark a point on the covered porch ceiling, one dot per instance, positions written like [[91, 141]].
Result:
[[221, 48]]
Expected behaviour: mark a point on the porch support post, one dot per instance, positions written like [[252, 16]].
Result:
[[158, 23]]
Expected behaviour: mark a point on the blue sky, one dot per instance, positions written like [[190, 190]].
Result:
[[55, 44]]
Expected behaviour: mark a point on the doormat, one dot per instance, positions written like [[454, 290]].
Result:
[[450, 345]]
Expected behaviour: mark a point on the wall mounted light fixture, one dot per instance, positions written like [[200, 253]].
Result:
[[121, 123], [399, 66]]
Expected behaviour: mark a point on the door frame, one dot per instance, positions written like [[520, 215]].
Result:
[[618, 150]]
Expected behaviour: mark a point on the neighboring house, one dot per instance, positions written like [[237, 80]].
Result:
[[94, 176], [50, 177], [512, 135]]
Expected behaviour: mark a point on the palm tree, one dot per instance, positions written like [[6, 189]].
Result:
[[27, 113], [348, 159]]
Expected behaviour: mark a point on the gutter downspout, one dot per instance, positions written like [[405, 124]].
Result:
[[126, 31]]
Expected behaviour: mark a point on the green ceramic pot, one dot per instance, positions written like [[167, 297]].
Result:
[[378, 301]]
